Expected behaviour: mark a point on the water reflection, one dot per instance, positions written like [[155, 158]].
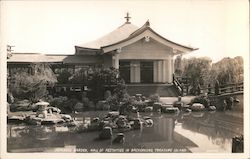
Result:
[[192, 132]]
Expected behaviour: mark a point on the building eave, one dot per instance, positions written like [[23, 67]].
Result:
[[85, 48], [86, 51]]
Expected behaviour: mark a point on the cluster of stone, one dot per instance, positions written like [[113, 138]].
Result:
[[116, 123], [43, 116]]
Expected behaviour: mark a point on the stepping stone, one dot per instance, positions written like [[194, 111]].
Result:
[[120, 138], [106, 133]]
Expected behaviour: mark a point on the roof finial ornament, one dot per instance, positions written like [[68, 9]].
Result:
[[147, 23], [127, 18]]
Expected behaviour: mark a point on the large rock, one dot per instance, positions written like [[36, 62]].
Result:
[[178, 104], [157, 106], [138, 97], [53, 110], [120, 138], [137, 123], [113, 114], [197, 107], [135, 109], [111, 124], [106, 133], [165, 108], [187, 110], [170, 110], [95, 120], [211, 108], [121, 121], [105, 123], [148, 121], [148, 109], [15, 119], [66, 117], [127, 128]]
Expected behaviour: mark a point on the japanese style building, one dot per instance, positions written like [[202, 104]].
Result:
[[141, 55]]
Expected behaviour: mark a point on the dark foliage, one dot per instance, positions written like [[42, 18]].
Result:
[[33, 87]]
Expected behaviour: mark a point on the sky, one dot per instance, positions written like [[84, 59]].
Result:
[[219, 28]]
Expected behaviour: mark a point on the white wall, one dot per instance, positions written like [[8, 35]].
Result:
[[145, 50]]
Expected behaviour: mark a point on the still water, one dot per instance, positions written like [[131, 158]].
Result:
[[190, 132]]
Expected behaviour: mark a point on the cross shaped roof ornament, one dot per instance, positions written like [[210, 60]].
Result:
[[127, 18]]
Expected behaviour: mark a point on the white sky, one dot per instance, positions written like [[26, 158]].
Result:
[[218, 28]]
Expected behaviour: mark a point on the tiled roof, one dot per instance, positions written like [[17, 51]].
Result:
[[145, 27], [123, 33], [36, 57], [79, 59], [115, 36]]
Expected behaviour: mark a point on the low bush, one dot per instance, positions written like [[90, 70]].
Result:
[[154, 98]]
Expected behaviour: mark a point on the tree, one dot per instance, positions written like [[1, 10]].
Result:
[[63, 77], [202, 71], [228, 70], [102, 79], [24, 85], [197, 69], [178, 66], [79, 76]]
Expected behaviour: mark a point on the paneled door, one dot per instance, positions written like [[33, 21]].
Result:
[[147, 72]]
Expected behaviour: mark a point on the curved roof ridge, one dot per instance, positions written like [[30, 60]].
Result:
[[146, 25]]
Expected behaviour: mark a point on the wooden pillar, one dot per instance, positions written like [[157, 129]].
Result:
[[164, 71], [132, 72], [116, 61], [159, 71], [135, 72], [138, 72], [170, 76], [155, 72], [172, 67]]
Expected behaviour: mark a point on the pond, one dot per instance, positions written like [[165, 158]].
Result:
[[182, 133]]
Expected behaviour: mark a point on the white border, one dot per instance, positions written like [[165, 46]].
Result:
[[3, 137]]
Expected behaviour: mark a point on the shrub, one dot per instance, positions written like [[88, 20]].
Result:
[[103, 79], [107, 94], [63, 103], [154, 98]]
